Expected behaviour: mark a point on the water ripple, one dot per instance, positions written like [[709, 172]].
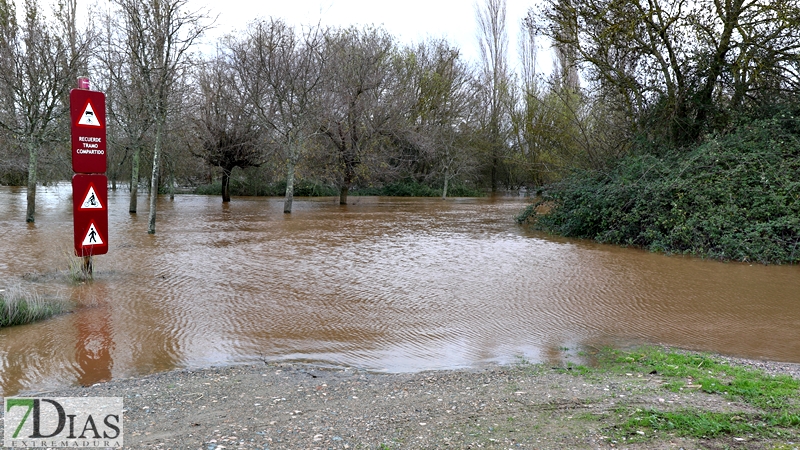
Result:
[[387, 284]]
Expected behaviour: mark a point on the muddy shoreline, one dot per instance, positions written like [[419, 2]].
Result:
[[288, 405]]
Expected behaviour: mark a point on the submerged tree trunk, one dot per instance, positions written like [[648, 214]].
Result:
[[171, 180], [134, 181], [151, 222], [31, 213], [226, 183], [495, 164], [446, 179], [349, 176], [290, 167], [295, 147]]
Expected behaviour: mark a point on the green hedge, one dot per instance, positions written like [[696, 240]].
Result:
[[312, 189], [244, 188], [735, 197], [413, 188]]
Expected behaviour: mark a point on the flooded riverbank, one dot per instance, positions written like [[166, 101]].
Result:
[[384, 284]]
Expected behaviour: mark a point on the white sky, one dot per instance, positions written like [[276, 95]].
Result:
[[408, 20]]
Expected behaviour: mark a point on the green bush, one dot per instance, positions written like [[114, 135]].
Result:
[[413, 188], [255, 188], [409, 189], [209, 189], [304, 188], [312, 189], [12, 177], [735, 197], [462, 190]]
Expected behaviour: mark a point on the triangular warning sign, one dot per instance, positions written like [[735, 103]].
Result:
[[92, 236], [91, 200], [89, 118]]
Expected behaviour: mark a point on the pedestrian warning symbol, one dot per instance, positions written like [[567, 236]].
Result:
[[92, 236], [89, 118], [91, 200], [90, 214]]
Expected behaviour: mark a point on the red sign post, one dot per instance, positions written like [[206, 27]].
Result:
[[89, 185]]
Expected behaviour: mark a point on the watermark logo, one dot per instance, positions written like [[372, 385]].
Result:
[[81, 422]]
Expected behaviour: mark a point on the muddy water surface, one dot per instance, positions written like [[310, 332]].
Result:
[[383, 284]]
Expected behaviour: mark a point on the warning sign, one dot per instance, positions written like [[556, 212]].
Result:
[[90, 214], [91, 200], [92, 236], [89, 118]]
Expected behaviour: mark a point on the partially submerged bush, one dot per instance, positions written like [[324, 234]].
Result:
[[413, 188], [302, 188], [735, 197]]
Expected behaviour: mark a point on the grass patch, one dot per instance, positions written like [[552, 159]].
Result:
[[690, 423], [76, 272], [680, 370], [19, 306], [710, 425], [771, 400]]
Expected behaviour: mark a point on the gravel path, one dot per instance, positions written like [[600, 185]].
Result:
[[290, 406]]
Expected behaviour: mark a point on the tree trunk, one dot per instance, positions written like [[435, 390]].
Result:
[[493, 173], [31, 213], [349, 176], [172, 181], [290, 166], [151, 222], [134, 180], [226, 182], [706, 94], [446, 179]]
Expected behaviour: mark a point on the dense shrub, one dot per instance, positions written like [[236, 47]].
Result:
[[462, 190], [11, 177], [248, 187], [413, 188], [735, 197], [409, 189]]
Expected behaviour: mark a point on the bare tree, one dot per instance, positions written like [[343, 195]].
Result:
[[358, 106], [225, 122], [158, 37], [126, 105], [282, 70], [39, 62]]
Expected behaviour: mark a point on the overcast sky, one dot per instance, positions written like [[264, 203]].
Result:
[[408, 20]]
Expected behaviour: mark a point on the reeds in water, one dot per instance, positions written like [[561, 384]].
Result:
[[20, 306]]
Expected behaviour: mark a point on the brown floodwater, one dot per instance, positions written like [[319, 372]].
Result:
[[383, 284]]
